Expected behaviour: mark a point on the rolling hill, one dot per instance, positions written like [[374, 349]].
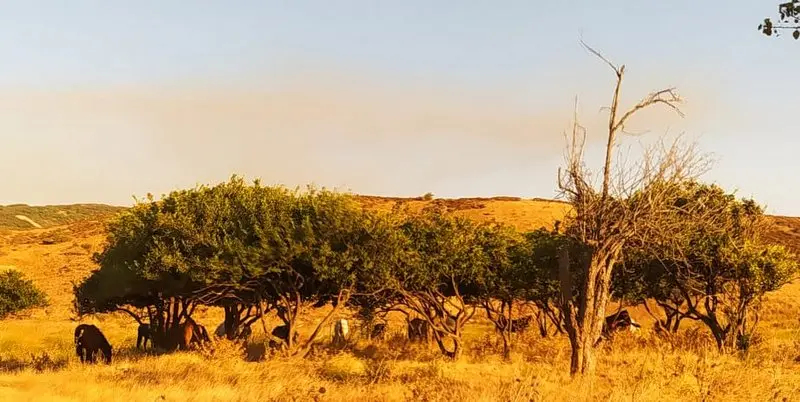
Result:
[[22, 216]]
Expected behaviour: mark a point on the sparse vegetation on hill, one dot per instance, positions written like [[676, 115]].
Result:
[[21, 216]]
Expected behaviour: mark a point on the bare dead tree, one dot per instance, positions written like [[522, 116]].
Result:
[[604, 219]]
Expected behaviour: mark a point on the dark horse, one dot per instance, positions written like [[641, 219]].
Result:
[[88, 341], [143, 335]]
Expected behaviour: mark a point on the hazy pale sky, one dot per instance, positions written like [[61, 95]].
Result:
[[102, 100]]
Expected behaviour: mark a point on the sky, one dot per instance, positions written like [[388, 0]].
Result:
[[104, 100]]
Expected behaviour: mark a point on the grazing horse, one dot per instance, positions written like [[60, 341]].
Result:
[[282, 332], [88, 341], [418, 329], [143, 335], [618, 321], [378, 331], [243, 332], [189, 333]]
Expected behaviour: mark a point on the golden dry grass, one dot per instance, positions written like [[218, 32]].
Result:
[[37, 360]]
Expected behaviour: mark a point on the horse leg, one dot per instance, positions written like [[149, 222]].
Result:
[[83, 352]]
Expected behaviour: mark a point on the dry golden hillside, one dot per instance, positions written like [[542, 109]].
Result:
[[524, 215]]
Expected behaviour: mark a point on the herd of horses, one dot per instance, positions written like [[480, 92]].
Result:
[[90, 341]]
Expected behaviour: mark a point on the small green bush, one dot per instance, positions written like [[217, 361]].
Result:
[[18, 293]]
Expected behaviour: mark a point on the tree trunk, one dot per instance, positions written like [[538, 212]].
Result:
[[456, 348], [501, 320], [676, 322], [231, 321], [507, 330], [456, 352], [582, 358], [584, 319], [341, 300], [506, 346], [542, 321]]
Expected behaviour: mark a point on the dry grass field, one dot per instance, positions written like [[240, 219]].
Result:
[[38, 362]]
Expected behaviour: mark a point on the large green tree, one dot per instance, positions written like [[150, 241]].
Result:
[[523, 271], [709, 263], [171, 255], [441, 271], [328, 250], [245, 247], [503, 281]]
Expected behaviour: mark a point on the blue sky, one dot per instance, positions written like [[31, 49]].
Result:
[[102, 100]]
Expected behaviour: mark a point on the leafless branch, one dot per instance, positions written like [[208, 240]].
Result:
[[628, 205], [618, 70]]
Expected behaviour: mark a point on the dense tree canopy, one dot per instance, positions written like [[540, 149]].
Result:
[[245, 247], [445, 265], [712, 265]]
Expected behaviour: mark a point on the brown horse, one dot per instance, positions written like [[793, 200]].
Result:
[[189, 333], [88, 341]]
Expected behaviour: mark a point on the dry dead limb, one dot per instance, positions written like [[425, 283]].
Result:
[[605, 219]]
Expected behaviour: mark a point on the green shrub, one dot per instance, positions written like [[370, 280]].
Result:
[[18, 293]]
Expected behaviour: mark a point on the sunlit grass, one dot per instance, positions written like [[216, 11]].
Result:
[[634, 367]]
